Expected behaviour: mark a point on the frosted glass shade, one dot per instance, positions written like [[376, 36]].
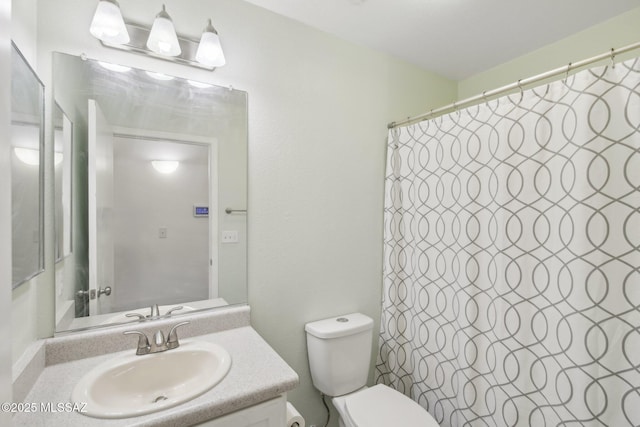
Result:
[[210, 50], [108, 24], [28, 156], [159, 76], [163, 39], [165, 166], [114, 67]]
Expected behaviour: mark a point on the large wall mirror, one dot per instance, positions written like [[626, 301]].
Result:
[[27, 139], [158, 194]]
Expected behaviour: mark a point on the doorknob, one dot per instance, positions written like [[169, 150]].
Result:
[[106, 291]]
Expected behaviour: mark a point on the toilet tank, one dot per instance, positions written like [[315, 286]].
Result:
[[339, 351]]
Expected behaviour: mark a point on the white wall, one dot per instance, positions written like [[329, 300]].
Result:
[[318, 109], [5, 209]]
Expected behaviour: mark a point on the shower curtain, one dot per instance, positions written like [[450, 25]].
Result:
[[511, 292]]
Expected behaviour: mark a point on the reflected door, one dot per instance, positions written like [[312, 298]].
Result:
[[101, 252]]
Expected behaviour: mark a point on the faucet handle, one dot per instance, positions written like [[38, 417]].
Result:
[[172, 339], [168, 313], [138, 315], [143, 342]]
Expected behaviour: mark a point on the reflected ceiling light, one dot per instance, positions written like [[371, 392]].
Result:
[[114, 67], [199, 84], [28, 156], [209, 50], [108, 24], [165, 166], [159, 76], [163, 39]]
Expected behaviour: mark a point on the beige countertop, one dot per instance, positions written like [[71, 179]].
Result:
[[257, 374]]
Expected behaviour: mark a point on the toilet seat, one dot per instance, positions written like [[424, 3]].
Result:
[[381, 406]]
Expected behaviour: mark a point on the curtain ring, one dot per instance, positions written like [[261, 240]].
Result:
[[566, 76], [613, 57], [455, 108], [521, 91]]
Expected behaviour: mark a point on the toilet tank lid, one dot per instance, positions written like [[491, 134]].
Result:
[[339, 326]]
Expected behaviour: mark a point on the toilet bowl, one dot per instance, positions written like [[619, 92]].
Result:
[[381, 406], [339, 351]]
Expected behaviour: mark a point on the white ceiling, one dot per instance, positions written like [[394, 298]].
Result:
[[454, 38]]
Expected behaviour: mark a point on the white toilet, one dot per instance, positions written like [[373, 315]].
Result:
[[339, 354]]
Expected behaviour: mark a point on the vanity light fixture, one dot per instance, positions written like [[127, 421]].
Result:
[[159, 76], [165, 166], [108, 24], [199, 85], [114, 67], [209, 50], [161, 41]]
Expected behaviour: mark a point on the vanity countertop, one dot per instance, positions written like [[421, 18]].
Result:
[[257, 374]]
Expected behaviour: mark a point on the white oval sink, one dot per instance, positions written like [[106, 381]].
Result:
[[131, 385]]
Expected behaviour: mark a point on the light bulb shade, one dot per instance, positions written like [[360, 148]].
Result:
[[199, 85], [28, 156], [163, 39], [114, 67], [210, 50], [165, 166], [159, 76], [108, 24]]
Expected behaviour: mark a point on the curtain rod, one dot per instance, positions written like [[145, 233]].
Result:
[[523, 82]]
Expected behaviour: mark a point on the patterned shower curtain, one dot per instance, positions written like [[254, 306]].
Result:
[[511, 291]]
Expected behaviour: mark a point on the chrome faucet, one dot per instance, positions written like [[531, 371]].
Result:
[[158, 344]]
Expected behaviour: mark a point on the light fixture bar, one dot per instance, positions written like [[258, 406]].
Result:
[[138, 44]]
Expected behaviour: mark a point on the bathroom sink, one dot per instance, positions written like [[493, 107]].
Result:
[[129, 385]]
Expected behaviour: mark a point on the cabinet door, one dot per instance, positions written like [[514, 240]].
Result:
[[272, 413]]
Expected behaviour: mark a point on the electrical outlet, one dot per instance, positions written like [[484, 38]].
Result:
[[162, 232], [230, 236]]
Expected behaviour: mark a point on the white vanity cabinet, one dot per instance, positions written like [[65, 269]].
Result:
[[272, 413]]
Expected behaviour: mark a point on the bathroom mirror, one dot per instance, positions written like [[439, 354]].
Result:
[[159, 194], [62, 160], [27, 139]]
